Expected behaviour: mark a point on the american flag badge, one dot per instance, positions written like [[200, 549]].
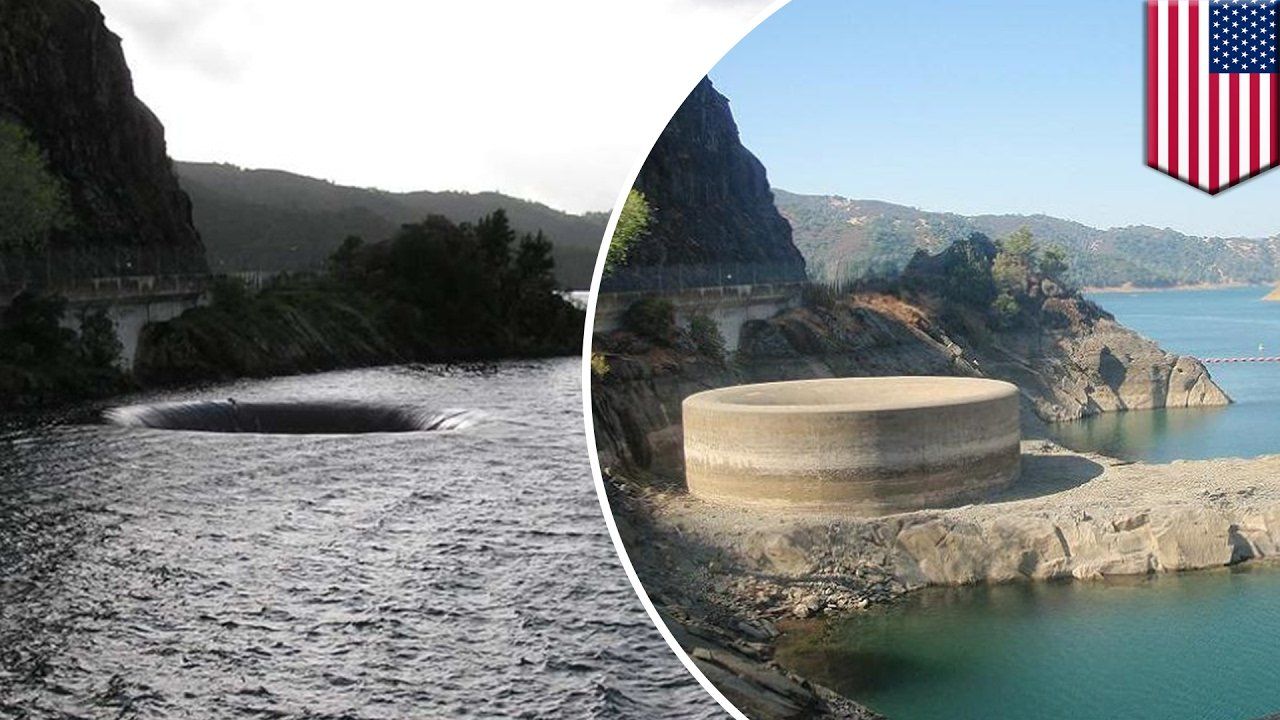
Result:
[[1211, 90]]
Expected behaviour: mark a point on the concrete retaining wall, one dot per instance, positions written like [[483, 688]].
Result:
[[864, 445], [130, 315], [728, 306]]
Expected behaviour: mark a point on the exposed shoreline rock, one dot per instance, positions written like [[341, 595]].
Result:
[[732, 647], [745, 572]]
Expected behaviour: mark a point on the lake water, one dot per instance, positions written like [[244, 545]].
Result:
[[467, 573], [1231, 322], [1202, 646]]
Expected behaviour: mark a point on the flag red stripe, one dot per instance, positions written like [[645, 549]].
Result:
[[1153, 97], [1173, 89], [1235, 84], [1213, 133], [1255, 123], [1193, 90]]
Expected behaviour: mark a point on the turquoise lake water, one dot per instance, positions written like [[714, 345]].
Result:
[[1201, 646], [1232, 322]]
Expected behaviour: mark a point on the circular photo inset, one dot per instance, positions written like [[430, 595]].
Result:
[[933, 374]]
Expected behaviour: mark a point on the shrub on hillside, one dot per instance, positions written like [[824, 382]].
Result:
[[652, 318], [99, 346], [1005, 311], [819, 295], [707, 338], [43, 363]]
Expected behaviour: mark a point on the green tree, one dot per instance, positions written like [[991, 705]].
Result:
[[32, 200], [534, 265], [968, 273], [1009, 274], [99, 346], [343, 261], [230, 294], [1053, 262], [707, 337], [633, 223], [1013, 265], [1021, 244], [30, 330], [495, 237], [653, 318], [1006, 310]]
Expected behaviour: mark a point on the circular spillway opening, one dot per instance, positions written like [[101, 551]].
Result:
[[863, 445], [284, 418]]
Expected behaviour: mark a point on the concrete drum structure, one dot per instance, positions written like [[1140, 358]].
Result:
[[865, 445]]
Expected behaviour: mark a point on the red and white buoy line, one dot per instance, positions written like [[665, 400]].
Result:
[[1223, 360]]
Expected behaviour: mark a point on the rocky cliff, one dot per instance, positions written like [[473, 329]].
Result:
[[711, 201], [63, 78]]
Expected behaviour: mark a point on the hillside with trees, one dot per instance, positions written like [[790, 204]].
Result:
[[435, 291], [279, 221], [844, 239]]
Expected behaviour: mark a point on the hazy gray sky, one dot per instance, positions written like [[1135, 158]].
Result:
[[552, 100]]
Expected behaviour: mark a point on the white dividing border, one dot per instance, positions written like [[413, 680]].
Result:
[[586, 394]]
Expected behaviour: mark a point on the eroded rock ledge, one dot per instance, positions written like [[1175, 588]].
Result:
[[1071, 516], [733, 574]]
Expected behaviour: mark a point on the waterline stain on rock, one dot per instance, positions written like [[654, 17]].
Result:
[[288, 418]]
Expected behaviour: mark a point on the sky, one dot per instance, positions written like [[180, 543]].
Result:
[[986, 106], [555, 101]]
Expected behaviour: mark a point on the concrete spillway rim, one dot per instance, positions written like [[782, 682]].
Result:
[[875, 394]]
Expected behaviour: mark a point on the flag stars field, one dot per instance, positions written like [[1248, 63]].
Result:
[[1211, 90]]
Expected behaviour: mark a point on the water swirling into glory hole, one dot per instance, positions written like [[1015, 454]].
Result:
[[286, 418], [155, 573]]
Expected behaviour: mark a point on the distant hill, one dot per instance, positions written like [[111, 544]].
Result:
[[841, 238], [275, 220]]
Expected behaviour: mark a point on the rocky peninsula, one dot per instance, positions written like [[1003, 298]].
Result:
[[728, 579], [734, 578]]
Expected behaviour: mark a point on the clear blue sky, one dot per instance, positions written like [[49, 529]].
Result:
[[986, 106]]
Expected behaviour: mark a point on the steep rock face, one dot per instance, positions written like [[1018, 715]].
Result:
[[711, 201], [63, 77]]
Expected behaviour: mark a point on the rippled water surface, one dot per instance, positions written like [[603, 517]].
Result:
[[464, 573], [1200, 646]]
